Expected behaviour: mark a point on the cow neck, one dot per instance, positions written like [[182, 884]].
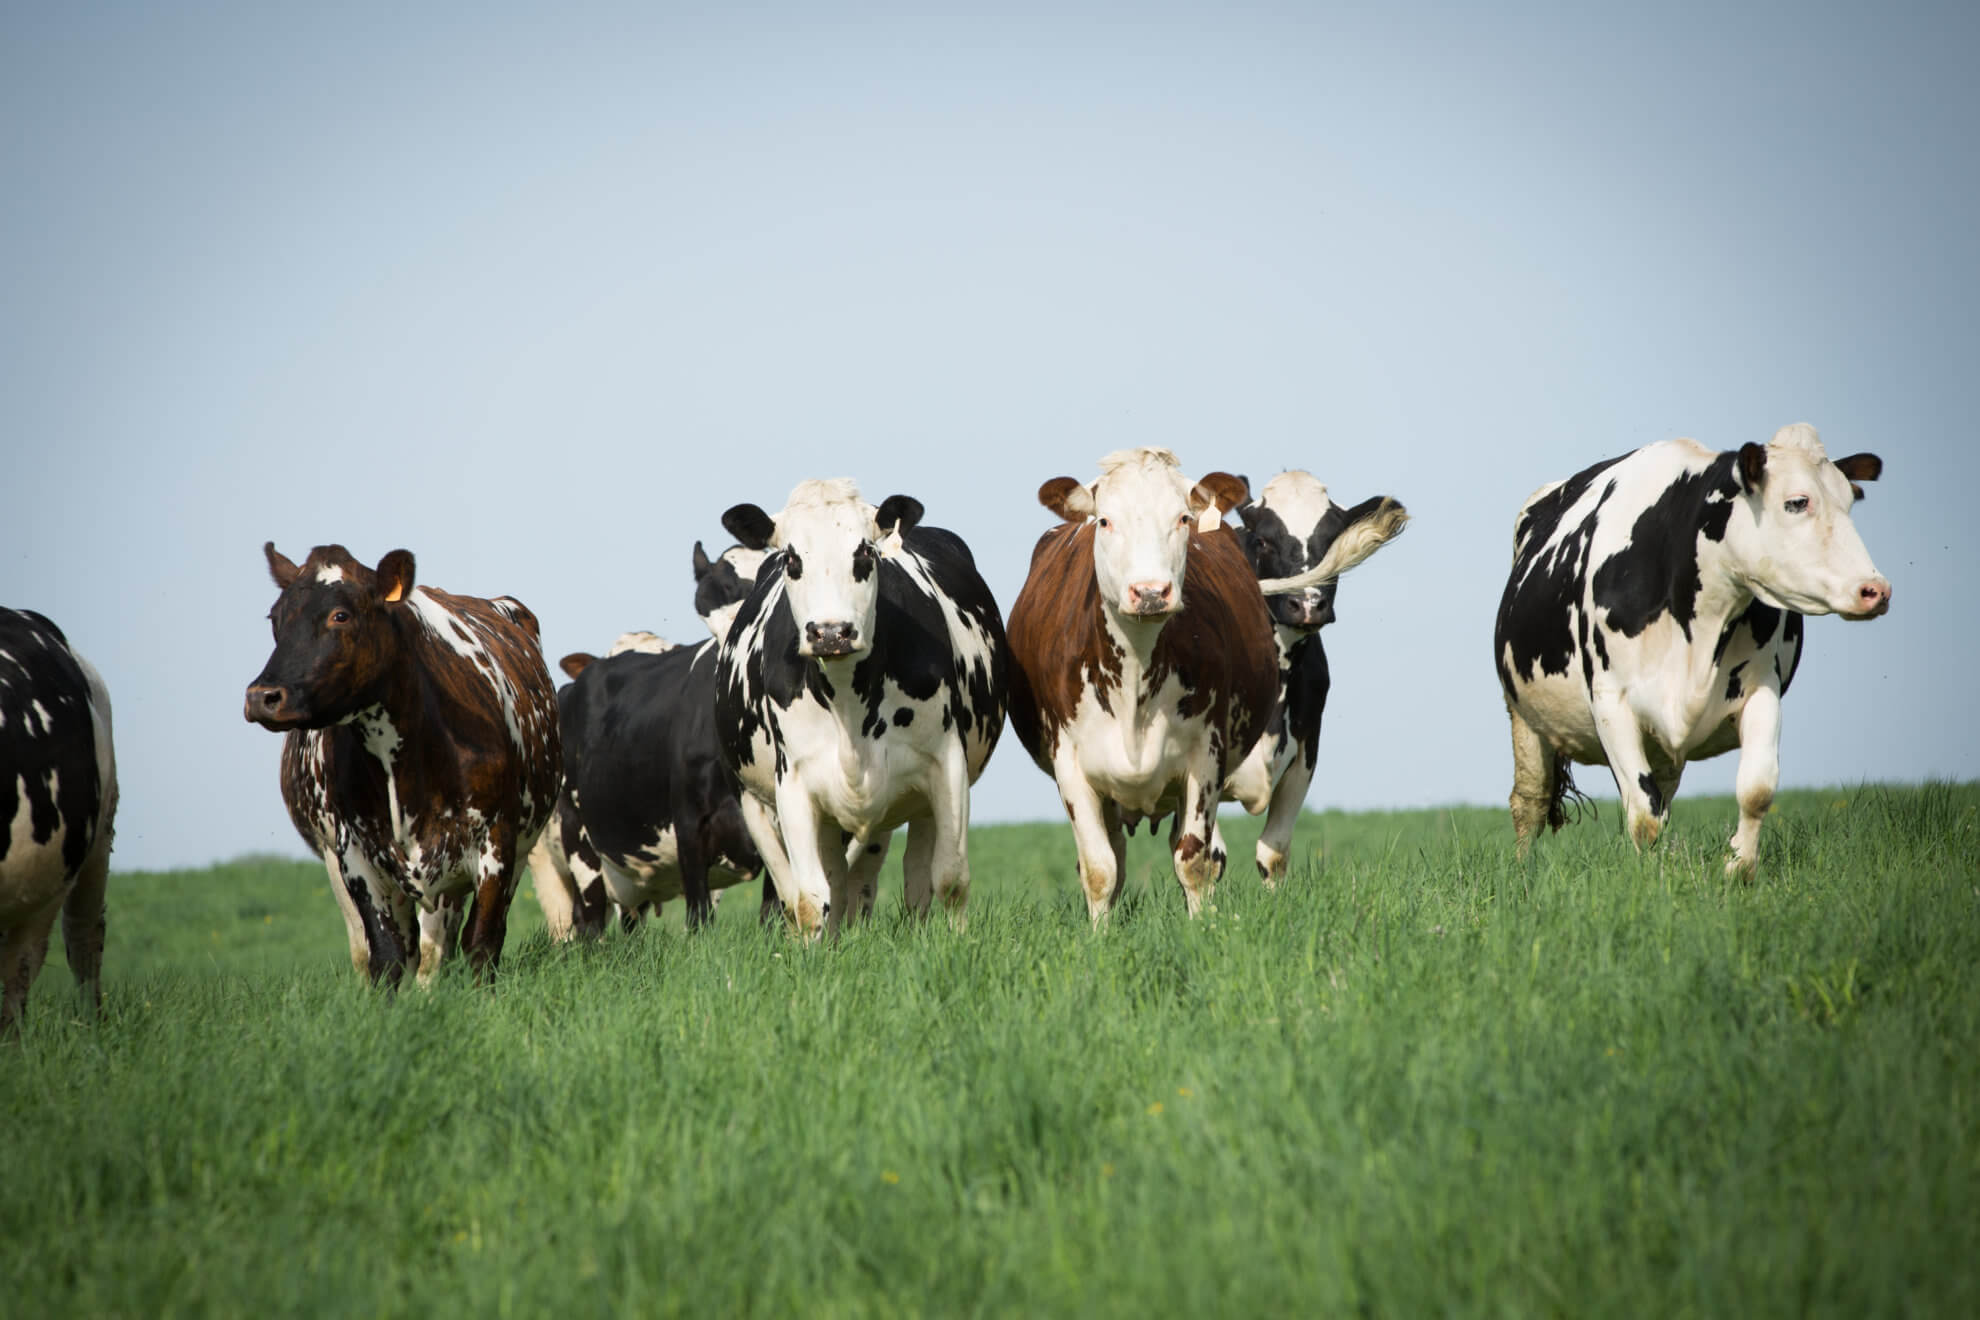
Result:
[[396, 721], [1722, 598], [1289, 640], [1134, 643]]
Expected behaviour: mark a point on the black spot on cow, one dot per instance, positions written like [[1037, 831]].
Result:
[[1542, 602], [904, 717], [1656, 572], [1648, 783], [1733, 688]]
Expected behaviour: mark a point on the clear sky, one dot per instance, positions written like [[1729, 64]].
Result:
[[537, 292]]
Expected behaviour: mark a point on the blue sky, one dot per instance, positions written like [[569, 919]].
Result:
[[537, 293]]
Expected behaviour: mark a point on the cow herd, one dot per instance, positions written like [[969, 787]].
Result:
[[1157, 662]]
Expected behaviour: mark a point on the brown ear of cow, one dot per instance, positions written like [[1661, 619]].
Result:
[[395, 575], [280, 566], [577, 662], [750, 525], [1752, 465], [1861, 467], [1221, 489], [1066, 497]]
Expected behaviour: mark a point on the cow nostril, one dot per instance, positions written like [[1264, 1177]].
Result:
[[272, 698]]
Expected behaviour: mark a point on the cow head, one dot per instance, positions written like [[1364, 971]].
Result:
[[1143, 510], [831, 543], [722, 584], [1793, 542], [336, 642]]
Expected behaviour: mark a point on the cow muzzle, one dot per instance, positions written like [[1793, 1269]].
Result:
[[271, 706], [1873, 598], [1149, 598], [827, 641]]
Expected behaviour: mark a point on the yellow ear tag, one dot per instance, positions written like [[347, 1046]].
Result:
[[398, 590]]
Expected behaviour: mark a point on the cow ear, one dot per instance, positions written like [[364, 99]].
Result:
[[1861, 467], [395, 575], [750, 525], [577, 662], [1067, 498], [1752, 466], [898, 513], [280, 566], [701, 562], [1220, 489]]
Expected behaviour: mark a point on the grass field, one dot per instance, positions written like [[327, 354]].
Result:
[[1419, 1078]]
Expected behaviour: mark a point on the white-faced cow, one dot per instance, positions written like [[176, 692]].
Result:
[[648, 806], [1653, 617], [1144, 665], [861, 688], [58, 800], [422, 753], [1290, 528]]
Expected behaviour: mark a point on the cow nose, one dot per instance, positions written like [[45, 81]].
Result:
[[265, 701], [831, 638], [1150, 597], [1874, 596]]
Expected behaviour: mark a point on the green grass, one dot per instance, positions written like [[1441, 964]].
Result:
[[1418, 1078]]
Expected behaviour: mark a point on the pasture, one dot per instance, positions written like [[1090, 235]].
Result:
[[1418, 1078]]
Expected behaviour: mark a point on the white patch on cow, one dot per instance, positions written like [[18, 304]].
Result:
[[645, 643], [329, 573], [383, 742]]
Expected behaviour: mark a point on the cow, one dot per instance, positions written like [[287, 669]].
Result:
[[649, 758], [422, 755], [862, 687], [58, 802], [1654, 617], [1144, 662], [1290, 527]]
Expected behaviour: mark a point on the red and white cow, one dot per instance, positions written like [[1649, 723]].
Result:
[[1653, 617], [1144, 662], [58, 799], [422, 757]]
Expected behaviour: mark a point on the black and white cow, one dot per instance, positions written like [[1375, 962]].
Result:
[[58, 801], [1654, 617], [862, 687], [640, 750], [1288, 529], [421, 758]]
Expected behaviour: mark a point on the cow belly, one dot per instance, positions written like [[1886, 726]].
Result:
[[1139, 766], [1557, 708]]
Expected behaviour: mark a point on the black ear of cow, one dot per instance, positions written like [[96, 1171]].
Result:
[[898, 512], [395, 575], [280, 566], [701, 562], [1861, 467], [750, 525], [1752, 465], [1247, 513]]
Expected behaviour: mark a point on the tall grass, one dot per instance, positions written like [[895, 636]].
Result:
[[1419, 1077]]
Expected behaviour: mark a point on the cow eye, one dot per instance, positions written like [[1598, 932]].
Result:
[[1799, 504], [1103, 524], [1183, 521], [793, 566]]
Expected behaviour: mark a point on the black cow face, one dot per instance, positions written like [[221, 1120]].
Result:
[[335, 639]]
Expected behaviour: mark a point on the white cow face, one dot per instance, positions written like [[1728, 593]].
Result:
[[1143, 509], [1794, 542], [831, 542]]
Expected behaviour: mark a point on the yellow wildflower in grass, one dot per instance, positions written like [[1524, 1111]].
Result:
[[1155, 1108], [889, 1177]]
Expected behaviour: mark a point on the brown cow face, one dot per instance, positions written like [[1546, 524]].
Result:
[[1143, 510], [335, 640]]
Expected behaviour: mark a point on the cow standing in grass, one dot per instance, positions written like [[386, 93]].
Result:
[[862, 688], [1144, 663], [58, 802], [1292, 526], [1654, 617], [422, 754]]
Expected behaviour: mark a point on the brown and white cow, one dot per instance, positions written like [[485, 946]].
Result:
[[422, 757]]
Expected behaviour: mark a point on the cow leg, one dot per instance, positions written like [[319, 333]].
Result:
[[863, 863], [1096, 835], [810, 895], [760, 821], [495, 885], [1534, 768], [1622, 744], [1275, 840], [1759, 775], [439, 934], [556, 888], [360, 943], [1191, 837], [23, 948], [949, 854], [694, 875], [82, 926], [377, 902]]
